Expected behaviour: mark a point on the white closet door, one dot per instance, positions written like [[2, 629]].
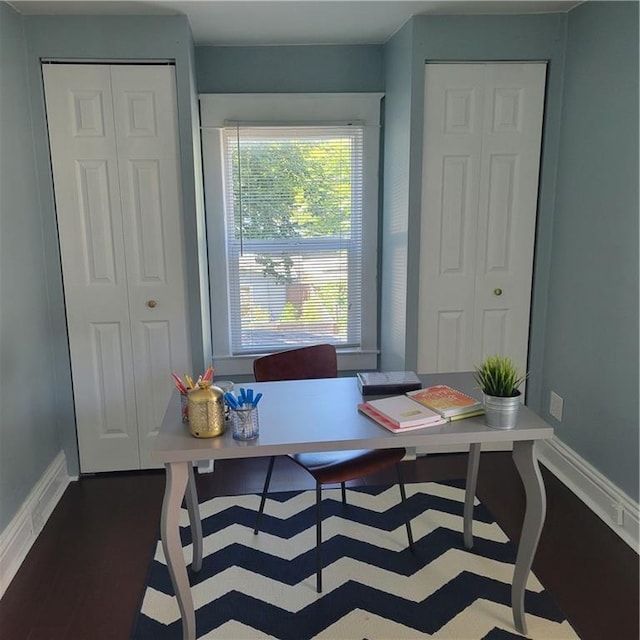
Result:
[[511, 138], [149, 174], [87, 191], [449, 224], [480, 180], [119, 223]]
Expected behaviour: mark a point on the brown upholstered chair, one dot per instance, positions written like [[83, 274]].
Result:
[[320, 361]]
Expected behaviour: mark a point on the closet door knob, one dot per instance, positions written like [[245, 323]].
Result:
[[151, 304], [497, 292]]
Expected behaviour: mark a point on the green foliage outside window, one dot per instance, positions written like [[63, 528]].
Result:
[[296, 196], [298, 188]]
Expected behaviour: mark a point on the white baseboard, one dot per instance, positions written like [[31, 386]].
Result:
[[22, 531], [205, 466], [605, 499]]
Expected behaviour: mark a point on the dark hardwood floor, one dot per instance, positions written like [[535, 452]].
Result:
[[84, 577]]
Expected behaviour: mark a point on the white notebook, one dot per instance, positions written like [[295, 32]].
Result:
[[405, 412]]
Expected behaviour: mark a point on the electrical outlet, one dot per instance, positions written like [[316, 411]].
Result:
[[555, 406]]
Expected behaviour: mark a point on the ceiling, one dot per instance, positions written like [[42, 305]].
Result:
[[271, 22]]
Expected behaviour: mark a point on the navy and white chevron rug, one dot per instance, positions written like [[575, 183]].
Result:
[[263, 586]]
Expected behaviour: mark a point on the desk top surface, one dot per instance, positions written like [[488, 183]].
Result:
[[322, 415]]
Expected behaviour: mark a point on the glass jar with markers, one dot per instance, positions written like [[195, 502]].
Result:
[[243, 409]]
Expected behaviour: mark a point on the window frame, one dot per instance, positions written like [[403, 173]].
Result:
[[218, 111]]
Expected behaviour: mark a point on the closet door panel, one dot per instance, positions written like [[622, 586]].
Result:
[[512, 133], [96, 222], [494, 329], [451, 173], [109, 396], [451, 345], [88, 208], [154, 340], [146, 221], [147, 138], [502, 188]]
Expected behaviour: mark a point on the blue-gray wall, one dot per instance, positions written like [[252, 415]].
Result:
[[28, 415], [290, 69], [591, 345], [394, 237]]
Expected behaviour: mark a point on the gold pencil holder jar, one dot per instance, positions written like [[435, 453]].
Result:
[[206, 411]]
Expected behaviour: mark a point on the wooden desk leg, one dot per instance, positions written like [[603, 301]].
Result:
[[194, 520], [176, 483], [536, 507], [470, 493]]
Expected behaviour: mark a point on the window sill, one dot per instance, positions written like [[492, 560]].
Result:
[[243, 365]]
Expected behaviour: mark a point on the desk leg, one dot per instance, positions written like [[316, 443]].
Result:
[[536, 507], [194, 520], [470, 493], [176, 483]]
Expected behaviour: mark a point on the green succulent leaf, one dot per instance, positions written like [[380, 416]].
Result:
[[498, 376]]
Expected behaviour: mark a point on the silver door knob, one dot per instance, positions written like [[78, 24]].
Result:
[[497, 292], [151, 304]]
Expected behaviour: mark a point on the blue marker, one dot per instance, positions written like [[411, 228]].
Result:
[[230, 400]]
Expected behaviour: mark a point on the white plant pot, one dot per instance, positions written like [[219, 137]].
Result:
[[501, 413]]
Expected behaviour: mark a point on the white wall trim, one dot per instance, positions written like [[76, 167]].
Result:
[[18, 537], [605, 499]]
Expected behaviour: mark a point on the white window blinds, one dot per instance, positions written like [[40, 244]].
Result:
[[293, 224]]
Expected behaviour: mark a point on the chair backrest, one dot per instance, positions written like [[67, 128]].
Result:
[[317, 361]]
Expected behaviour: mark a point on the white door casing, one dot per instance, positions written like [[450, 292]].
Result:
[[482, 135], [114, 148]]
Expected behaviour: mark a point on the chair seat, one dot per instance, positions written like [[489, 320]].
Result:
[[340, 466]]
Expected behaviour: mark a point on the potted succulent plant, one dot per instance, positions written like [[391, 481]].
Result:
[[499, 381]]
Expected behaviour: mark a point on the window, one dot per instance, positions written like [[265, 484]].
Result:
[[292, 208]]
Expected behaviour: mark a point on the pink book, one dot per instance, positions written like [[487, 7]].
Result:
[[394, 425]]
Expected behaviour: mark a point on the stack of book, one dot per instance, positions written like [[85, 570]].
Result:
[[372, 383], [421, 408]]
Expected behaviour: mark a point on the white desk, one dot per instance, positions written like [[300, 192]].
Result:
[[322, 415]]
